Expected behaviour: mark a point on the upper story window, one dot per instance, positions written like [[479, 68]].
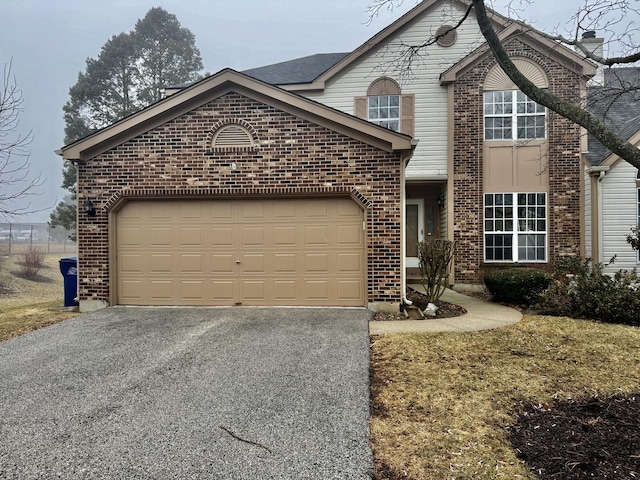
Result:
[[384, 110], [383, 103], [387, 106], [508, 113], [511, 115]]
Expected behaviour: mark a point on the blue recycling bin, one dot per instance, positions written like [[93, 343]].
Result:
[[69, 270]]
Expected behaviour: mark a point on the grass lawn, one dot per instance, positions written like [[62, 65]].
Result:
[[28, 304], [442, 403]]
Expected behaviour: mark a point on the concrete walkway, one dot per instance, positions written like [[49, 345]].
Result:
[[481, 315]]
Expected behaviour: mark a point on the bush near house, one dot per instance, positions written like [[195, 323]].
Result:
[[581, 289], [518, 286], [434, 258]]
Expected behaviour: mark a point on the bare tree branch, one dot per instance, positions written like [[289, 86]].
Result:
[[16, 181], [569, 110]]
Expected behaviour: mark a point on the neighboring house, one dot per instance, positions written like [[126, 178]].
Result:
[[492, 170], [612, 185], [236, 192]]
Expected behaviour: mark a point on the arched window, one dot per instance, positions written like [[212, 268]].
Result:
[[508, 113], [385, 105]]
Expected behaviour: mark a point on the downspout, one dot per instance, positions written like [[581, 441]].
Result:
[[403, 229], [600, 236], [596, 174]]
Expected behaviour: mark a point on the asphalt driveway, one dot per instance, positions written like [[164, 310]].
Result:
[[158, 393]]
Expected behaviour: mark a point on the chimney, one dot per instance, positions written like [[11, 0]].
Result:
[[595, 45]]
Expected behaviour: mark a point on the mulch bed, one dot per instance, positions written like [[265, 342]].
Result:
[[445, 309], [580, 439]]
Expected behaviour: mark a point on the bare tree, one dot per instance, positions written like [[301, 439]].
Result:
[[16, 181], [610, 16]]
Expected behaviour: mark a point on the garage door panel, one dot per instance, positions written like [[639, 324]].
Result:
[[285, 236], [285, 291], [285, 263], [253, 290], [223, 237], [348, 262], [349, 235], [132, 290], [191, 237], [317, 290], [223, 292], [191, 263], [191, 290], [160, 263], [316, 235], [131, 237], [290, 252], [161, 290], [349, 289], [252, 236], [132, 263], [222, 263], [160, 237], [316, 263]]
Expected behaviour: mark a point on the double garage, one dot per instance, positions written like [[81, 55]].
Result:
[[234, 192], [241, 252]]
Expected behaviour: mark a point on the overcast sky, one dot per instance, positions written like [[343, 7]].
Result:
[[48, 42]]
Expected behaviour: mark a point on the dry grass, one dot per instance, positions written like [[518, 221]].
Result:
[[30, 303], [441, 402]]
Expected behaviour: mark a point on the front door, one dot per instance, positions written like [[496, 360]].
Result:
[[414, 223]]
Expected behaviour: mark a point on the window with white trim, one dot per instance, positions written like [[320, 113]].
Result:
[[511, 115], [515, 227], [384, 110]]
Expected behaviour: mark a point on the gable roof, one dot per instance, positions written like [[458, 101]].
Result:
[[617, 104], [215, 86], [516, 29], [285, 73]]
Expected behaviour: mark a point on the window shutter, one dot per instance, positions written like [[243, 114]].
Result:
[[360, 108], [407, 114]]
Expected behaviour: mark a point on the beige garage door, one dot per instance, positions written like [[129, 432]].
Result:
[[248, 252]]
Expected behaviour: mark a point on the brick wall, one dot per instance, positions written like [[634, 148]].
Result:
[[292, 157], [564, 166]]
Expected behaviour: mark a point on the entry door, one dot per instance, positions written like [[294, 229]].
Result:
[[414, 223]]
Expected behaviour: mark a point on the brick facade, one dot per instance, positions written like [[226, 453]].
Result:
[[564, 197], [292, 157]]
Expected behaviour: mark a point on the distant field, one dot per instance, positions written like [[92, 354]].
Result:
[[16, 248]]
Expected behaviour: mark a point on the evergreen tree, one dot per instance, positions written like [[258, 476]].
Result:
[[128, 74]]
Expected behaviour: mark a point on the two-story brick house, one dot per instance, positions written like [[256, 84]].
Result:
[[289, 184], [492, 170]]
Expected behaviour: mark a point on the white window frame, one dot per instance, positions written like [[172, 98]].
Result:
[[512, 106], [510, 226], [383, 112]]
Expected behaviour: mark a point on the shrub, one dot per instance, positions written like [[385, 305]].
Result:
[[520, 286], [434, 258], [585, 291], [31, 261]]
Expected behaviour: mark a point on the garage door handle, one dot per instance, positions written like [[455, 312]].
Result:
[[237, 261]]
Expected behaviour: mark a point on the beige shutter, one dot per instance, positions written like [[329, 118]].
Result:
[[360, 108], [407, 114]]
